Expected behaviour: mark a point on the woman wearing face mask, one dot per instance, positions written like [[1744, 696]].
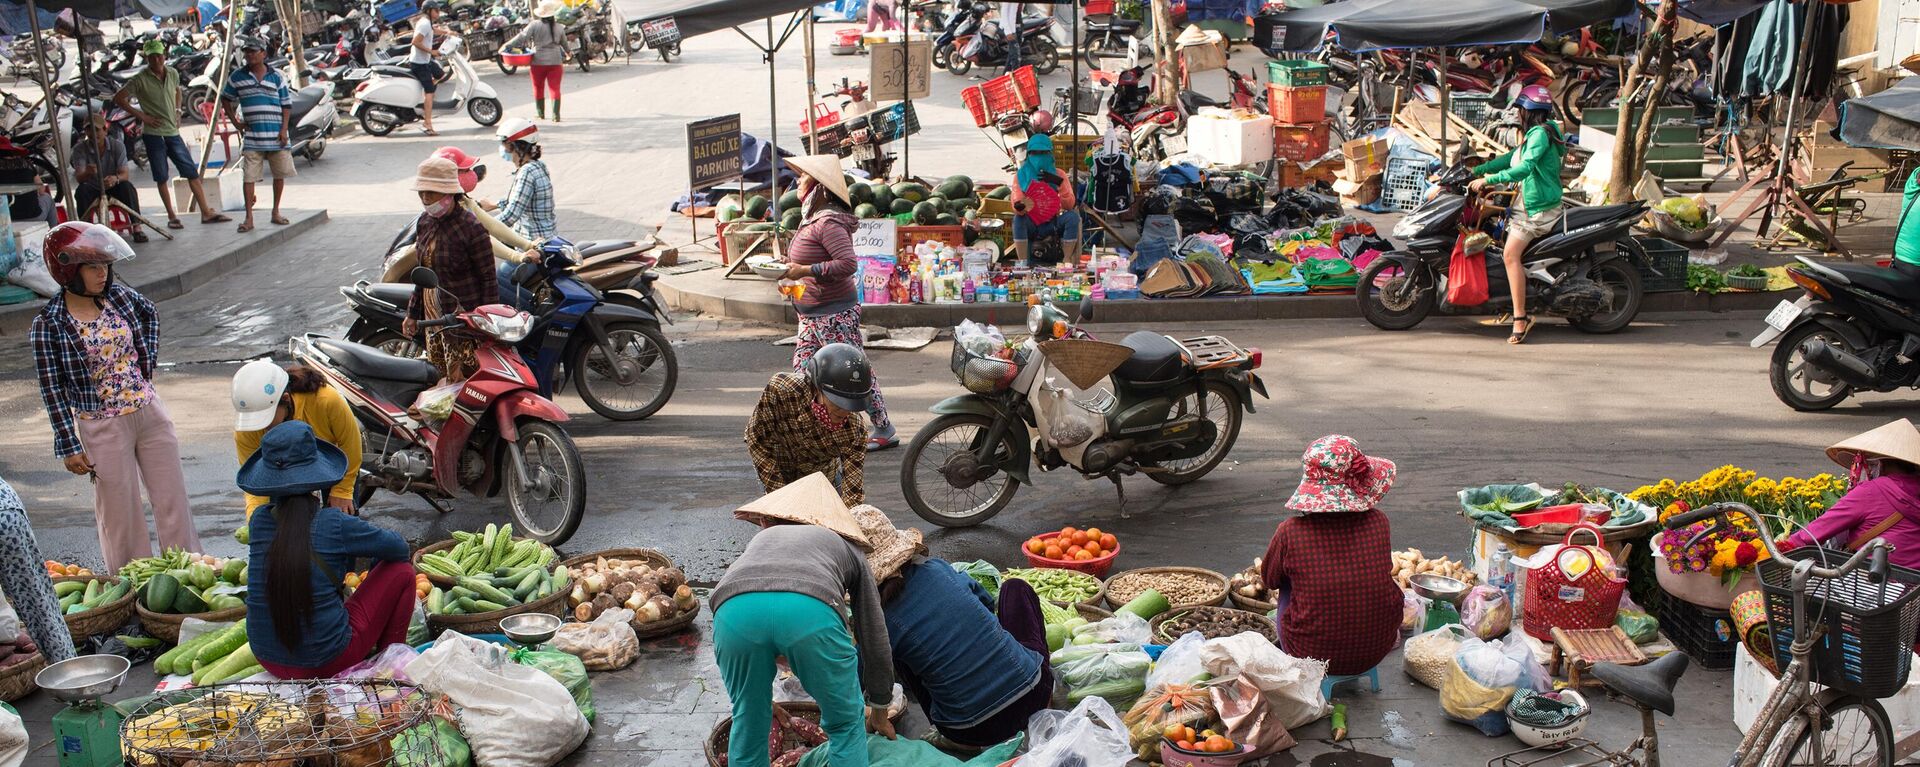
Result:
[[1043, 199], [451, 242], [1884, 471], [528, 206]]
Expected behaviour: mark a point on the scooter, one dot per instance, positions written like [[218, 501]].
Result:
[[501, 436], [1585, 271], [1172, 413], [987, 47], [1107, 36], [1855, 329], [386, 102], [314, 120], [965, 21]]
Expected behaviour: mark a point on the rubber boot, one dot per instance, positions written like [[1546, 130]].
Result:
[[556, 109], [540, 108]]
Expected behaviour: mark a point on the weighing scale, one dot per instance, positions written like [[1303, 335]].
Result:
[[530, 630], [87, 732], [1444, 594]]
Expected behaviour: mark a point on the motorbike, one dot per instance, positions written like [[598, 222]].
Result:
[[1131, 109], [590, 37], [1854, 329], [662, 35], [1107, 36], [1172, 413], [502, 436], [385, 102], [1586, 271], [965, 20], [609, 343], [986, 46], [314, 120]]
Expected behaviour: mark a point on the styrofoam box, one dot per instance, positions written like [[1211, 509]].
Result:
[[1227, 139], [1752, 685]]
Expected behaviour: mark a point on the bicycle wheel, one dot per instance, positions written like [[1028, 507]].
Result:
[[1853, 731]]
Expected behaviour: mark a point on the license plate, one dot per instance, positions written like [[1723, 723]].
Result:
[[1782, 316]]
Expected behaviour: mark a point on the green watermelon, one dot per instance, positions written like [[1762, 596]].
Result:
[[185, 602], [925, 213], [160, 592], [790, 200], [911, 191], [882, 196], [939, 203], [1000, 193], [727, 209], [866, 210], [901, 205], [790, 218], [756, 208], [955, 188], [947, 219], [860, 193]]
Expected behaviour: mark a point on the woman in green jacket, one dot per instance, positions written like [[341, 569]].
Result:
[[1535, 165]]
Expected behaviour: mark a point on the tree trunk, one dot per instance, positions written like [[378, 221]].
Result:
[[1166, 66], [1631, 137]]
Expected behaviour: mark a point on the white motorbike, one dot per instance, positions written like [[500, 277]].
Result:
[[386, 102]]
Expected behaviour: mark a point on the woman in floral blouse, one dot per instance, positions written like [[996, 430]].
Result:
[[95, 346]]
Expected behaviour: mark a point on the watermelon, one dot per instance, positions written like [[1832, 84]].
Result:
[[866, 210], [882, 196], [756, 208], [940, 204], [947, 219], [727, 209], [925, 213], [911, 191], [955, 187], [790, 218], [185, 602], [160, 592], [901, 205], [1000, 193], [860, 193], [790, 200]]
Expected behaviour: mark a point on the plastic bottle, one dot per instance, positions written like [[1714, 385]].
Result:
[[1500, 570], [966, 291]]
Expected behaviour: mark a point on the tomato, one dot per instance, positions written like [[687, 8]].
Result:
[[1037, 546], [1094, 549], [1093, 532], [1217, 744], [1083, 555], [1108, 542], [1080, 538], [1067, 533], [1054, 552], [1184, 745]]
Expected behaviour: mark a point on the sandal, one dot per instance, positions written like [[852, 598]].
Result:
[[281, 220], [217, 219], [244, 227], [1520, 336], [877, 444], [174, 223]]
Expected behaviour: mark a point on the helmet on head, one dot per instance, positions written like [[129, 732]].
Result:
[[518, 129], [257, 390], [252, 44], [433, 5], [841, 372], [74, 244], [1534, 98], [471, 171], [567, 16]]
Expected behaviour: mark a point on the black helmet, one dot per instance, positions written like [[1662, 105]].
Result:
[[434, 5], [841, 372]]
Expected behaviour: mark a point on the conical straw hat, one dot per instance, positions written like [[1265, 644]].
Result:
[[1898, 440], [811, 501], [824, 168]]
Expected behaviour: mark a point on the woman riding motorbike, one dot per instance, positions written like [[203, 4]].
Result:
[[1535, 165]]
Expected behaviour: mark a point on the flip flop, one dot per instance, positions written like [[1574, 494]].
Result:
[[244, 228], [1520, 336], [877, 444], [220, 218], [174, 223], [281, 220], [429, 132]]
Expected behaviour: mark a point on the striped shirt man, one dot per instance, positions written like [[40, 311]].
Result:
[[264, 100]]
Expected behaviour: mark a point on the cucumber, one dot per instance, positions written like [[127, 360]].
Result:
[[64, 588], [187, 650], [561, 577], [229, 640], [486, 606], [107, 596], [161, 591], [241, 674], [69, 601], [486, 590], [525, 590], [73, 609], [228, 666], [461, 591], [436, 600], [467, 605], [91, 592]]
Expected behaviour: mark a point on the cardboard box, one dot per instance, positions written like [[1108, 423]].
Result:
[[1364, 157], [1353, 193]]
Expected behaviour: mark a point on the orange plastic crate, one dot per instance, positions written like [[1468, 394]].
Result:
[[1018, 91], [1300, 143], [1297, 105]]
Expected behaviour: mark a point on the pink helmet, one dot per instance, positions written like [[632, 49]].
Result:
[[471, 171], [1535, 98]]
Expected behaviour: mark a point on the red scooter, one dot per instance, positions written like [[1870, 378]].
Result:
[[500, 434]]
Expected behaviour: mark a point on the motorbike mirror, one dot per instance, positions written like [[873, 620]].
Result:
[[425, 278], [1086, 310]]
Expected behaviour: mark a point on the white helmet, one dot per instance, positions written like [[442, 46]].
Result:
[[257, 389], [518, 129]]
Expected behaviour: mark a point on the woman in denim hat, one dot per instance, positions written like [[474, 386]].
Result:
[[300, 623]]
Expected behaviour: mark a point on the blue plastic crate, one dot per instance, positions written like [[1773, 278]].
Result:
[[398, 10], [1405, 183]]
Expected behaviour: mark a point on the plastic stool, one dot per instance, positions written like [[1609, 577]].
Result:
[[1372, 676], [119, 221]]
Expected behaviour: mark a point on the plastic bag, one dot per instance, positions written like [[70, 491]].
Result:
[[1640, 627], [606, 644], [1486, 612], [1116, 672], [1413, 611], [1164, 706], [1291, 685], [1179, 663], [1091, 735], [32, 274], [13, 739], [983, 573], [433, 743], [1124, 628], [513, 715], [1483, 679], [787, 689], [1246, 719], [436, 404], [9, 621], [1429, 656], [981, 340], [565, 669], [390, 663]]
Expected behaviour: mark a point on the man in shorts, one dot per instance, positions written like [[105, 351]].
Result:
[[257, 98], [420, 60], [157, 89]]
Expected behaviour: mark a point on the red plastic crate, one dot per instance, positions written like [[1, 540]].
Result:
[[976, 102], [1018, 91], [1100, 7], [1300, 143], [1297, 105], [823, 116]]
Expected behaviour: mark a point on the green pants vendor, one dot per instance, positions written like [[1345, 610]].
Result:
[[1906, 242]]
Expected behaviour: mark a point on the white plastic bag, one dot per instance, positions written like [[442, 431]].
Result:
[[1091, 735], [9, 621], [13, 739], [1291, 685], [436, 404], [32, 274], [1125, 628], [607, 643], [1179, 663], [512, 715], [787, 689]]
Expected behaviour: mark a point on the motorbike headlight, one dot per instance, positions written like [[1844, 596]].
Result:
[[508, 328], [1035, 318]]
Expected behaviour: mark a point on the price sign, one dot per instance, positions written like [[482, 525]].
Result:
[[876, 238], [713, 151], [660, 33], [901, 70]]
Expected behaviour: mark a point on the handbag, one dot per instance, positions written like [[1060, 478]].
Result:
[[1573, 590], [1467, 274]]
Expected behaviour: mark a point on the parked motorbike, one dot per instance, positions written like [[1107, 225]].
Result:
[[590, 37], [1132, 109], [314, 120], [1172, 413], [665, 38], [385, 102], [502, 435], [965, 21], [987, 47], [1585, 271], [1107, 36], [1854, 329]]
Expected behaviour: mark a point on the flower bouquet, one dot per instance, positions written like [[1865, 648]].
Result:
[[1728, 556]]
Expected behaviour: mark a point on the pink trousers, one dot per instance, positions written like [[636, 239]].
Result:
[[129, 451]]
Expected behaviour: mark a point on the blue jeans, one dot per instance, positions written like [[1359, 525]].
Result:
[[160, 149], [1066, 226]]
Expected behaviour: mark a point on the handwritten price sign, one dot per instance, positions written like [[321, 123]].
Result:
[[901, 70]]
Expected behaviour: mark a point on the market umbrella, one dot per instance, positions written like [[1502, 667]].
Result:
[[698, 17], [1889, 119], [1457, 23], [1304, 29]]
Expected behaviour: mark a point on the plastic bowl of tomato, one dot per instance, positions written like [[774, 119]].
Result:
[[1175, 756], [1094, 566]]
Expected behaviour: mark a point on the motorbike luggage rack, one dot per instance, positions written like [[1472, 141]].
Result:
[[1208, 352]]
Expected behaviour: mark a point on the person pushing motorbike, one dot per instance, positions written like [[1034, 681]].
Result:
[[1535, 165]]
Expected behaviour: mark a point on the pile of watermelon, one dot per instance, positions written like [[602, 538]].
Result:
[[948, 203]]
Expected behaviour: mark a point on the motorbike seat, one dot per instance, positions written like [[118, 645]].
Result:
[[1124, 26], [397, 294], [306, 98], [1575, 218], [368, 362], [592, 248], [1882, 280], [1649, 685], [1156, 359]]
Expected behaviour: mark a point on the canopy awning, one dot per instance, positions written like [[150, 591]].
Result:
[[107, 9], [698, 17], [1889, 119], [1363, 25]]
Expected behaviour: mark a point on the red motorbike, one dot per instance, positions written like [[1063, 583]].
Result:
[[500, 434]]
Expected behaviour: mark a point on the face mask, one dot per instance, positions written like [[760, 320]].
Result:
[[506, 155], [441, 208]]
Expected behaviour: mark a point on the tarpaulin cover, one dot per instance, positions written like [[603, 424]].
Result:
[[109, 9], [1371, 25], [1713, 13], [698, 17], [1889, 119]]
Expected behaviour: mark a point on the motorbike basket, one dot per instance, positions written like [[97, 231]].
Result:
[[982, 374]]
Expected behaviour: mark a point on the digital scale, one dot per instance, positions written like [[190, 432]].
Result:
[[87, 732]]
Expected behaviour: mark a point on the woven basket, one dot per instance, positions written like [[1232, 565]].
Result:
[[99, 620], [554, 604], [1266, 626], [1250, 604], [1218, 596], [717, 740], [665, 626], [655, 559], [166, 626], [439, 580], [1093, 614], [1083, 361], [16, 681]]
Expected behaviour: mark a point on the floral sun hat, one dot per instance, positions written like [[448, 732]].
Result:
[[1337, 477]]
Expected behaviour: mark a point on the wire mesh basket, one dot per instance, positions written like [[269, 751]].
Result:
[[1868, 627], [982, 374], [1405, 185], [313, 723]]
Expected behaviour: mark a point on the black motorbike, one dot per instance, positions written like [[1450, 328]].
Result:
[[1106, 36], [986, 46], [1856, 328], [964, 21], [1586, 270]]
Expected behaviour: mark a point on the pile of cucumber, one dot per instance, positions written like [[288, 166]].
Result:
[[220, 655], [484, 554], [77, 597], [195, 589], [506, 587]]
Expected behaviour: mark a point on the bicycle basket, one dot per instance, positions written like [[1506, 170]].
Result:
[[1868, 628], [981, 374]]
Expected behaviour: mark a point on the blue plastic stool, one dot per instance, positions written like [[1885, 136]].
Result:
[[1372, 676]]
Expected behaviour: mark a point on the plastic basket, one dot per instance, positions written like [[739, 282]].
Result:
[[1475, 108], [1706, 635], [1297, 74], [1297, 105], [1666, 267], [1018, 91], [888, 123], [516, 59], [819, 117], [1100, 7], [976, 103], [1867, 642], [1558, 598], [1405, 185], [982, 375], [1300, 143]]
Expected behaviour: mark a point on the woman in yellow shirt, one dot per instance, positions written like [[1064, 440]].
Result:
[[261, 402]]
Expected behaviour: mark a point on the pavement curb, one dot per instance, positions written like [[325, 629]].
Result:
[[16, 319]]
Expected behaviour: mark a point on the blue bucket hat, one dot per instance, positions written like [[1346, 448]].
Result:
[[291, 461]]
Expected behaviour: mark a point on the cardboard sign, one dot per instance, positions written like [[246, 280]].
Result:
[[900, 71], [713, 151], [876, 238]]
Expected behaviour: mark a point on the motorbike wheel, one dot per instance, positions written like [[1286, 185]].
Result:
[[1046, 55], [1400, 303], [501, 62], [949, 438], [582, 60], [395, 344], [1098, 50], [940, 55], [484, 111], [315, 148], [378, 122], [957, 62], [1225, 411], [655, 372], [1795, 381], [668, 52], [606, 54], [1622, 280], [52, 174], [551, 508], [197, 99]]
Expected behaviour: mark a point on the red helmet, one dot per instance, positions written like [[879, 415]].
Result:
[[76, 243], [471, 170]]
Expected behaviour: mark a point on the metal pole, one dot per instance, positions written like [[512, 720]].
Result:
[[1073, 80], [1796, 84], [773, 107], [812, 135], [53, 107], [906, 88], [1446, 95]]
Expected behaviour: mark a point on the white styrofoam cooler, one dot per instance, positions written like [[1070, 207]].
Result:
[[1224, 138], [1752, 685]]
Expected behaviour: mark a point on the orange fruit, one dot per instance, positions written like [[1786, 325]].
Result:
[[1108, 542], [1054, 552], [1217, 744], [1037, 546], [1183, 745], [1093, 532], [1067, 532], [1173, 731], [1080, 538]]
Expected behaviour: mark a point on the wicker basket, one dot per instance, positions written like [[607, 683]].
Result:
[[655, 559], [716, 744], [665, 626], [1266, 626], [1093, 614], [554, 604], [166, 626], [440, 580], [104, 618], [1083, 361], [16, 681], [1218, 596], [1250, 604]]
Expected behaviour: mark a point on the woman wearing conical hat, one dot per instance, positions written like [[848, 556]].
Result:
[[1884, 466]]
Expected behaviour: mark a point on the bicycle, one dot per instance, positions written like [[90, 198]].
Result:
[[1874, 605]]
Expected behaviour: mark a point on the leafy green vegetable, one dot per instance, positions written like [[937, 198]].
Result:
[[982, 572], [1746, 270], [1705, 279]]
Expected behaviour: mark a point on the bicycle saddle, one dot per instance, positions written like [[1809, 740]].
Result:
[[1650, 685]]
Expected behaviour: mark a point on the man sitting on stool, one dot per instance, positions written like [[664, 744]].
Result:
[[100, 167], [1043, 202]]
